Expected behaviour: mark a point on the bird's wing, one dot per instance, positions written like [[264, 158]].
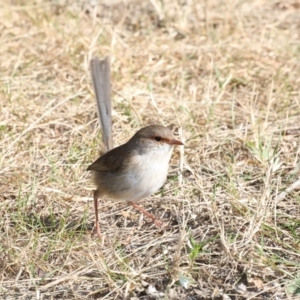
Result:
[[116, 159]]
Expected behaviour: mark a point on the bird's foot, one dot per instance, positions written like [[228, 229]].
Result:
[[154, 219]]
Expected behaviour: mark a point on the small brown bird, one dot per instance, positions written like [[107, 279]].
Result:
[[136, 169]]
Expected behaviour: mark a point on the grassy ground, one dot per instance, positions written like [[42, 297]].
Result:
[[226, 74]]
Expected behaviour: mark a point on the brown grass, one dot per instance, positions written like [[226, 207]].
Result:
[[227, 73]]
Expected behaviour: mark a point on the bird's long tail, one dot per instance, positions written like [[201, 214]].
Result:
[[100, 70]]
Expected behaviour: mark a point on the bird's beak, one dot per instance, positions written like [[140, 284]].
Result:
[[175, 142]]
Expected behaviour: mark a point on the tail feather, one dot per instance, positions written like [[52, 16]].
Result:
[[100, 70]]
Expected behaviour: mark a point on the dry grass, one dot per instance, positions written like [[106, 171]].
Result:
[[227, 72]]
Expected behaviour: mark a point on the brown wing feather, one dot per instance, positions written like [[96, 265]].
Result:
[[114, 160]]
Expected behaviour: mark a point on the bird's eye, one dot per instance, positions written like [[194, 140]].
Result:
[[158, 138]]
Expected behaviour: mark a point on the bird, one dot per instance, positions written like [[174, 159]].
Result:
[[135, 169]]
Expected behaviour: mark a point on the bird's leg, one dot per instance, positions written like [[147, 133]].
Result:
[[97, 227], [146, 213]]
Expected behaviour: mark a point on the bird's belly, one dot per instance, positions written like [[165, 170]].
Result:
[[150, 181], [135, 183]]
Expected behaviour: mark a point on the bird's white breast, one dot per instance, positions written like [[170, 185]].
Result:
[[149, 173]]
